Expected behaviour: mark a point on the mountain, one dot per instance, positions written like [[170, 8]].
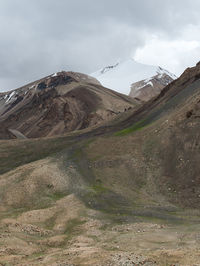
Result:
[[57, 104], [126, 192], [121, 76], [148, 88]]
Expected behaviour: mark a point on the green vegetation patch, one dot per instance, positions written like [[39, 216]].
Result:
[[73, 227], [15, 154], [137, 126], [57, 196], [49, 223], [97, 189]]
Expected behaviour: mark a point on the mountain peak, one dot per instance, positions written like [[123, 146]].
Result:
[[123, 74], [57, 104]]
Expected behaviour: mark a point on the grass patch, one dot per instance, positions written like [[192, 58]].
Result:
[[49, 224], [73, 227], [37, 254], [56, 196], [13, 213], [76, 154], [78, 149], [97, 189], [137, 126], [15, 154]]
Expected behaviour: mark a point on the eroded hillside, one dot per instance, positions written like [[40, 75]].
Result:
[[124, 193], [57, 104]]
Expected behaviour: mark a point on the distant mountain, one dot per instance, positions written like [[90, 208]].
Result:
[[57, 104], [123, 76], [151, 87]]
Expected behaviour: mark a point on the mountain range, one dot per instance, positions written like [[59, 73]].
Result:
[[122, 191], [135, 79]]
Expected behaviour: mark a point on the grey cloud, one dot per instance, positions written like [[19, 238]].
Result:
[[39, 37]]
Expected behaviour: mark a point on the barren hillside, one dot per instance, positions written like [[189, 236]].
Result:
[[124, 193], [58, 104]]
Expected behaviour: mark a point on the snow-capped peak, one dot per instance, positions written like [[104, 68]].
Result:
[[121, 75], [162, 71]]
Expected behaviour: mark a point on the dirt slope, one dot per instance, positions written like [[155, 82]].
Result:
[[57, 104], [125, 193]]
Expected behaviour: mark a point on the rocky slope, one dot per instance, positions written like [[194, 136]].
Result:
[[58, 104], [145, 90], [123, 77], [124, 193]]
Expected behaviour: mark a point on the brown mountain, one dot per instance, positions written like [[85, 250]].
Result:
[[57, 104], [123, 193], [148, 88]]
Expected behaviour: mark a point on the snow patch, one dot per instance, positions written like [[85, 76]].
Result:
[[122, 75], [139, 88], [55, 75], [148, 80], [144, 85], [10, 96], [162, 71], [150, 83], [29, 88]]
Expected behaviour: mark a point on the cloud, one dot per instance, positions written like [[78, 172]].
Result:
[[39, 37], [175, 55]]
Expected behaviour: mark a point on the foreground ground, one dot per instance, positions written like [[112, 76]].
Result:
[[124, 193], [67, 234], [47, 220]]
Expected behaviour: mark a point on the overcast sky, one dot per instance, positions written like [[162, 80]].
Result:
[[40, 37]]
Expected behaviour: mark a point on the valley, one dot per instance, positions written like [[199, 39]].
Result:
[[124, 192]]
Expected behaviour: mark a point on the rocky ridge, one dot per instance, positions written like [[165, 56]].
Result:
[[58, 104], [147, 89]]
